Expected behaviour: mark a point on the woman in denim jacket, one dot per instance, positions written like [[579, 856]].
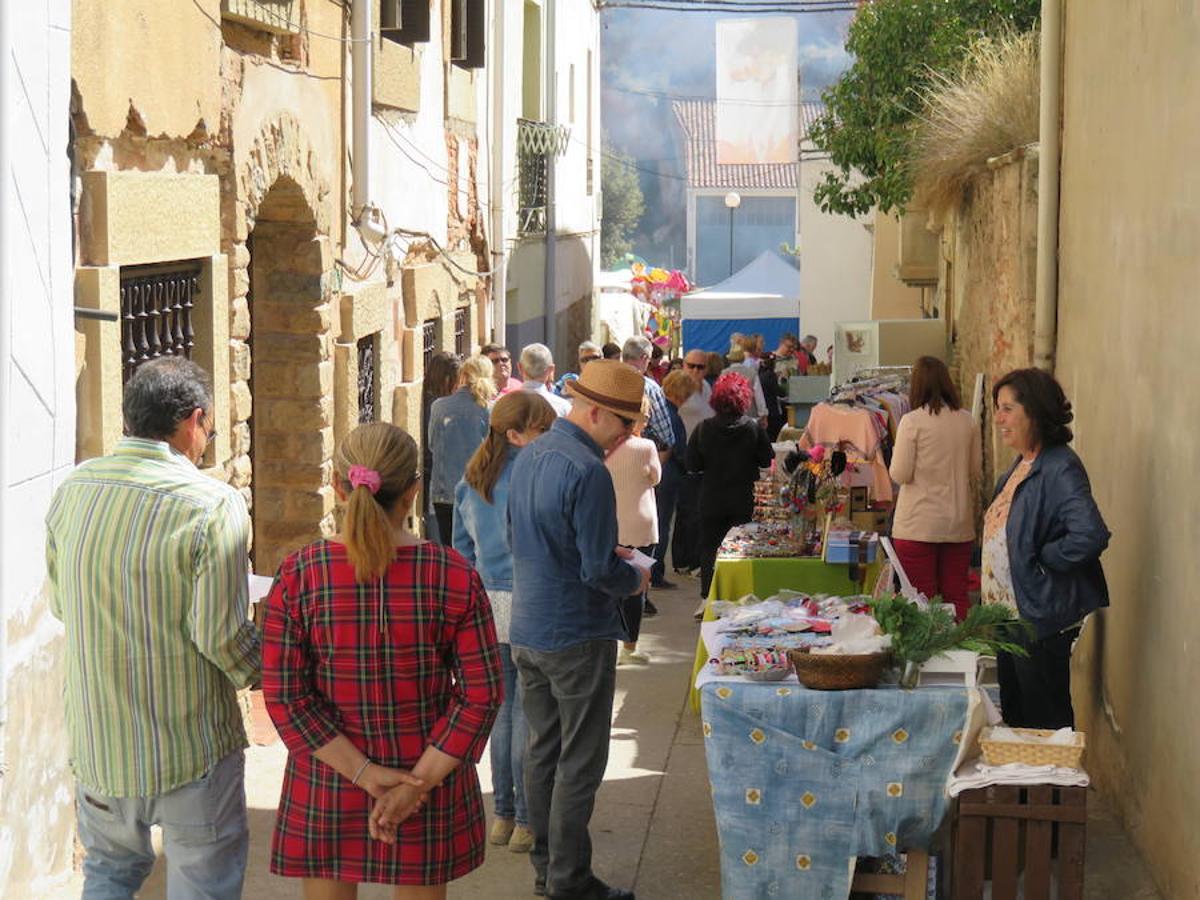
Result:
[[457, 425], [481, 535], [1042, 539]]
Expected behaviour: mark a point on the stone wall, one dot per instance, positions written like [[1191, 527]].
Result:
[[988, 285]]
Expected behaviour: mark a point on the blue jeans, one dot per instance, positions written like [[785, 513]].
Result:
[[509, 735], [665, 498], [205, 837]]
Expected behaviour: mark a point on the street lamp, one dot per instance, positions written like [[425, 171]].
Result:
[[732, 201]]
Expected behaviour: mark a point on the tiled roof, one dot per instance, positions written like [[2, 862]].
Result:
[[698, 120]]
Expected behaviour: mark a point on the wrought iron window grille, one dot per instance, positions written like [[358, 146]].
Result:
[[460, 330], [156, 314], [428, 341], [368, 380]]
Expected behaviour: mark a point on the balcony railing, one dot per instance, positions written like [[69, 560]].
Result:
[[279, 16], [536, 143]]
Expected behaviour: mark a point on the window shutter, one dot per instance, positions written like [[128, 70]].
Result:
[[404, 21], [391, 19], [476, 56], [416, 20], [458, 30]]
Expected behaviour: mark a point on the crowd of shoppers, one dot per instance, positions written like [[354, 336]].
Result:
[[387, 661]]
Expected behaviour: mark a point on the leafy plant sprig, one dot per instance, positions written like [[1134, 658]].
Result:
[[920, 634]]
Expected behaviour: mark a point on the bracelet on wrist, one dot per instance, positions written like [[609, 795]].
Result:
[[358, 774]]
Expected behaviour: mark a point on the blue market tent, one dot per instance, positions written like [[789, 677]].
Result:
[[762, 298]]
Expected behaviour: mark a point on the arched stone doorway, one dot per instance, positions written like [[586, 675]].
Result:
[[291, 376]]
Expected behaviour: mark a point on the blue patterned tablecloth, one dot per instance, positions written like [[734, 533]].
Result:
[[803, 781]]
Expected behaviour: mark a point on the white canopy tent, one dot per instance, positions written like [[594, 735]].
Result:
[[764, 298]]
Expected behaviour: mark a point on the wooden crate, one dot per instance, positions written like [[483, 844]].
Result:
[[911, 885], [1006, 832]]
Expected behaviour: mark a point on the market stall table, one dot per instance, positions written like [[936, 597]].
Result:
[[803, 781], [764, 577]]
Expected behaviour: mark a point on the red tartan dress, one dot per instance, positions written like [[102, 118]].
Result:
[[394, 667]]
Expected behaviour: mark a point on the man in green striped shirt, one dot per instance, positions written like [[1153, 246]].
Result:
[[147, 566]]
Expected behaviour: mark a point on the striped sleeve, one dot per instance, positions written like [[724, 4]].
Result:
[[219, 623], [478, 688], [658, 425], [301, 715]]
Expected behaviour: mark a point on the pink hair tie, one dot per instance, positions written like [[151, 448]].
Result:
[[364, 477]]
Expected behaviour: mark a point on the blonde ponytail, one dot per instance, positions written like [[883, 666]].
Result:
[[476, 376], [388, 457]]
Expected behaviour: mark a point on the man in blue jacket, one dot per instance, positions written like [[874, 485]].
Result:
[[568, 578]]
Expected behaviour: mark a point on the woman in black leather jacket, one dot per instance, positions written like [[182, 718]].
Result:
[[1042, 539], [728, 450]]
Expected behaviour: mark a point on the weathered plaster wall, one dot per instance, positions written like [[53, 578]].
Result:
[[891, 298], [989, 278], [167, 68], [1128, 320], [835, 263], [37, 431]]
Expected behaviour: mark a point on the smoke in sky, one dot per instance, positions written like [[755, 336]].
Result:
[[648, 58]]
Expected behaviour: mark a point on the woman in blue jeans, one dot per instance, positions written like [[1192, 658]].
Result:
[[481, 535]]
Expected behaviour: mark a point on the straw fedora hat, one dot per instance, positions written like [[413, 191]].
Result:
[[611, 385]]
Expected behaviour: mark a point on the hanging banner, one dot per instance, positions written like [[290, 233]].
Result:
[[758, 90]]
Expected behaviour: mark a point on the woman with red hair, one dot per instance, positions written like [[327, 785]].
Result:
[[728, 450]]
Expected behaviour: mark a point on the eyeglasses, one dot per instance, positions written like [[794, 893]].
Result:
[[501, 359], [210, 433], [696, 365]]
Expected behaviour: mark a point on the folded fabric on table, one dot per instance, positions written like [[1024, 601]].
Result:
[[975, 773]]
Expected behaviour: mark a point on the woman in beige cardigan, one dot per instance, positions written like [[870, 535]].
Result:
[[635, 469], [937, 455]]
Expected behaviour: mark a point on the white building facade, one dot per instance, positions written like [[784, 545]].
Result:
[[545, 187], [37, 437], [775, 207]]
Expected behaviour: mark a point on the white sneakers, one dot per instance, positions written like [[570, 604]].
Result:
[[633, 657]]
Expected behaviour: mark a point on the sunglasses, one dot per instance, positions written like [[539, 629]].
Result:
[[501, 359], [588, 359], [626, 421], [696, 365]]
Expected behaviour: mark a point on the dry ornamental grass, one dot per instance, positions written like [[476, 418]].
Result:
[[987, 109]]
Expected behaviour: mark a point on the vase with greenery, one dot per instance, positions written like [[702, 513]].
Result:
[[919, 634]]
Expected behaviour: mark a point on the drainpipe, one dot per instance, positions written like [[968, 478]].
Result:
[[364, 214], [550, 288], [1045, 327], [499, 242]]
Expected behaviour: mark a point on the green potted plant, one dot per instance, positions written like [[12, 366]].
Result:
[[919, 634]]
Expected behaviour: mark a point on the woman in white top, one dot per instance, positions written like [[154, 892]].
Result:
[[636, 469], [936, 458]]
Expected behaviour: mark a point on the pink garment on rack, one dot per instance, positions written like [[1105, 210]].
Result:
[[830, 424]]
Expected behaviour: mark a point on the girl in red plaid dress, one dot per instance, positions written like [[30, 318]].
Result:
[[382, 675]]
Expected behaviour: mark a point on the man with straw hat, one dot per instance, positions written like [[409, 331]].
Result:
[[568, 578]]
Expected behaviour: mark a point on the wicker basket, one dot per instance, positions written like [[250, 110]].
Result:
[[838, 672], [1000, 753]]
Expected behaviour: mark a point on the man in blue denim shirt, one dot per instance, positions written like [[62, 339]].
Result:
[[567, 580]]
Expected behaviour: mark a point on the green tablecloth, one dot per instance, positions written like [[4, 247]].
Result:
[[735, 578]]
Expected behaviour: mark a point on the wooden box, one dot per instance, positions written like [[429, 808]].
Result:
[[1022, 840]]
